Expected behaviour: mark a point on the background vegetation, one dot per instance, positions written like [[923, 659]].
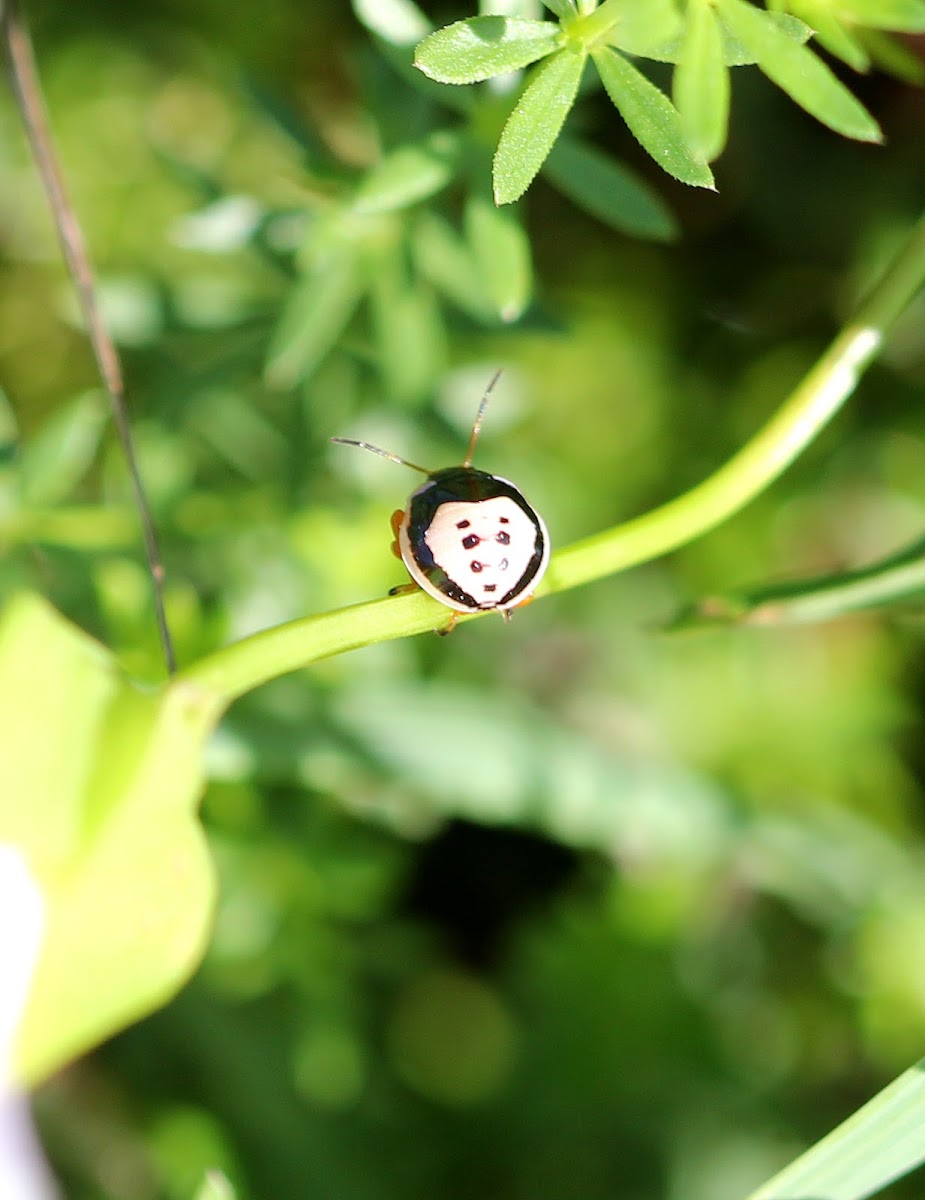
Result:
[[575, 907]]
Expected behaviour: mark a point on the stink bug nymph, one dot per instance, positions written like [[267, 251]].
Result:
[[469, 539]]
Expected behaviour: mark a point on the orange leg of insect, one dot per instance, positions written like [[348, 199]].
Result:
[[395, 521], [507, 613], [449, 626]]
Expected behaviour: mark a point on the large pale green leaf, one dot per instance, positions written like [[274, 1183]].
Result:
[[799, 72], [501, 250], [100, 784], [700, 83], [651, 118], [879, 1143], [534, 125], [609, 191], [481, 47]]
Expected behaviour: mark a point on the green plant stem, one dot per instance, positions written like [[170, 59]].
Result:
[[238, 668], [596, 25], [814, 402]]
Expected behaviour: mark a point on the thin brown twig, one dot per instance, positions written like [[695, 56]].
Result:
[[28, 93]]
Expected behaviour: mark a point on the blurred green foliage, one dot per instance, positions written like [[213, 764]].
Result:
[[570, 908]]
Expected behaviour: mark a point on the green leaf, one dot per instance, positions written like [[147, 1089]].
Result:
[[609, 191], [534, 125], [57, 457], [409, 334], [476, 49], [398, 22], [882, 1141], [565, 10], [895, 582], [638, 40], [893, 55], [831, 34], [100, 784], [901, 16], [442, 256], [701, 83], [409, 174], [315, 314], [797, 70], [501, 250], [651, 118]]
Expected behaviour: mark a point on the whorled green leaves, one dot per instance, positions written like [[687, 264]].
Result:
[[799, 72]]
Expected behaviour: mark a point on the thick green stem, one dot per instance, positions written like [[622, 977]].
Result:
[[238, 668]]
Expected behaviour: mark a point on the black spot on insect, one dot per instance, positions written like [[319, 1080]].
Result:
[[503, 538], [465, 524], [471, 540], [490, 587], [504, 520], [475, 565]]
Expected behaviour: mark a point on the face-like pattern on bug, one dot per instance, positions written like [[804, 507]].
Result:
[[485, 547]]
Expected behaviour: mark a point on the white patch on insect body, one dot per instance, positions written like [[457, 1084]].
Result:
[[485, 548]]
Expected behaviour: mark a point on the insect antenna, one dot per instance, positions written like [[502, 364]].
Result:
[[479, 417], [341, 441]]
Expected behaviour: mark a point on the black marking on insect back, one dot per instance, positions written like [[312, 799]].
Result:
[[471, 486]]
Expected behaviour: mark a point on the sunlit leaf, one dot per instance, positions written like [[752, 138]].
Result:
[[799, 72], [609, 190], [650, 117], [501, 250], [891, 54], [481, 47], [637, 39], [832, 34], [902, 16], [534, 125], [701, 83], [100, 783], [563, 9], [398, 22]]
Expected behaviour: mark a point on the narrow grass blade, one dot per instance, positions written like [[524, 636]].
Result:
[[877, 1144]]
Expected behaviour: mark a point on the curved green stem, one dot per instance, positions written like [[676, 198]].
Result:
[[238, 668]]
